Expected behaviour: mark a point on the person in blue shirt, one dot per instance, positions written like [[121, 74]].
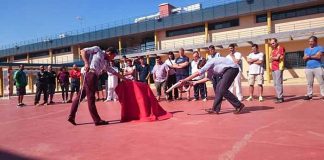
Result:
[[314, 67], [182, 70], [143, 70]]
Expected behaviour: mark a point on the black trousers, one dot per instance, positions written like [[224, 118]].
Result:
[[171, 81], [221, 83], [41, 88], [200, 87], [65, 91]]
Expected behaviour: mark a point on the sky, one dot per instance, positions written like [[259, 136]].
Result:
[[22, 20]]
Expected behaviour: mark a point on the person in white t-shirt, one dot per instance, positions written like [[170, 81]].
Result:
[[256, 70], [172, 76], [199, 87], [129, 70], [236, 57]]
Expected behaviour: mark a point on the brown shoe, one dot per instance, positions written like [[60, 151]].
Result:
[[239, 109]]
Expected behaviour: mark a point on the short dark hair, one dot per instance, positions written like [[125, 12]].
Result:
[[314, 38], [112, 50], [211, 47], [255, 45], [157, 57], [141, 57], [171, 53], [232, 45], [124, 56], [275, 39]]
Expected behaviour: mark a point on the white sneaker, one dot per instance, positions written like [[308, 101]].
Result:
[[205, 99], [260, 98], [250, 98]]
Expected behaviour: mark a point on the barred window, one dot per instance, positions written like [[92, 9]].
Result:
[[184, 31], [294, 60], [20, 57]]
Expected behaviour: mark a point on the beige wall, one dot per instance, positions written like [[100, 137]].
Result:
[[247, 28], [180, 41], [20, 61], [63, 58], [42, 59]]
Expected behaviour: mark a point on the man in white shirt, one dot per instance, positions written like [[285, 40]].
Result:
[[236, 57], [256, 70], [199, 87], [223, 72], [160, 75]]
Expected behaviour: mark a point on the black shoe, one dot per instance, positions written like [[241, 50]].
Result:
[[211, 111], [100, 123], [239, 109], [279, 100], [308, 97], [72, 121]]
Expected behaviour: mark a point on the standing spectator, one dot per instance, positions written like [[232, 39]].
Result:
[[256, 70], [75, 75], [171, 80], [314, 67], [212, 52], [129, 71], [63, 79], [182, 69], [41, 86], [277, 66], [236, 57], [123, 64], [51, 83], [143, 70], [160, 75], [103, 76], [199, 87], [21, 83], [112, 83]]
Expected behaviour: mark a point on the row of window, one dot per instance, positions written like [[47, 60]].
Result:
[[62, 50], [259, 19], [3, 60], [291, 13], [201, 28]]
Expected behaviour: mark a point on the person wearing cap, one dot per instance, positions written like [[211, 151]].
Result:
[[95, 60], [223, 72]]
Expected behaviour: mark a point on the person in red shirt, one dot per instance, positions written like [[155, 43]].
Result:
[[277, 66], [75, 75]]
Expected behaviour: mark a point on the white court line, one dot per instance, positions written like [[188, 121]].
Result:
[[236, 148]]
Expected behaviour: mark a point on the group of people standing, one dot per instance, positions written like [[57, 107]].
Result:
[[224, 73], [46, 84]]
